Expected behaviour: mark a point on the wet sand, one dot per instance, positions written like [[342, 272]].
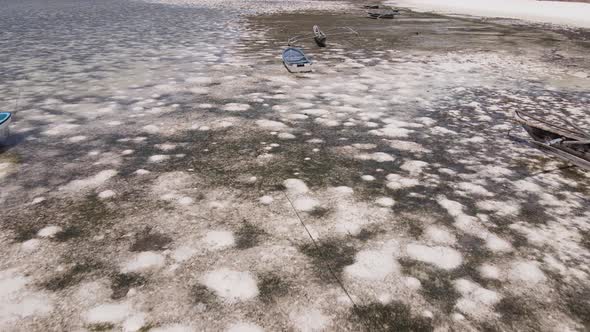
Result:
[[166, 173]]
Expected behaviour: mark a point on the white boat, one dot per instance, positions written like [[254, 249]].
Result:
[[5, 118], [296, 61]]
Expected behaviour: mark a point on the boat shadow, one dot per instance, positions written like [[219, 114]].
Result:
[[10, 142]]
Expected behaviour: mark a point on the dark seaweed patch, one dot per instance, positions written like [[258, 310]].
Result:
[[272, 286], [334, 254], [201, 294], [122, 282], [437, 285], [518, 313], [320, 212], [69, 233], [577, 301], [25, 232], [394, 316], [71, 276], [150, 241], [368, 233], [585, 239], [100, 327], [248, 235]]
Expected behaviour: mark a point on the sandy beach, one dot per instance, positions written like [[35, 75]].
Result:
[[165, 172]]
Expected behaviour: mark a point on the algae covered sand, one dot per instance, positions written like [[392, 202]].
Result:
[[166, 173]]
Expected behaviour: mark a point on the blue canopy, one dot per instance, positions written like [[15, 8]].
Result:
[[4, 116], [295, 56]]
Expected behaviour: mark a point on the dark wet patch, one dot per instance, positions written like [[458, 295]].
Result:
[[271, 286], [437, 285], [100, 327], [320, 212], [585, 242], [69, 233], [331, 254], [122, 282], [533, 212], [25, 232], [394, 316], [203, 295], [413, 228], [83, 218], [576, 299], [72, 276], [148, 240], [248, 235], [518, 313], [368, 233], [147, 327]]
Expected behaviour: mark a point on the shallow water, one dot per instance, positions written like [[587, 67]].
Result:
[[160, 154]]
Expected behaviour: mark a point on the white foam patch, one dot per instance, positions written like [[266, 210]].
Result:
[[38, 200], [266, 200], [106, 194], [144, 261], [412, 283], [475, 300], [31, 245], [183, 253], [244, 327], [379, 157], [152, 129], [396, 182], [271, 125], [142, 171], [439, 235], [17, 302], [217, 240], [49, 231], [340, 191], [407, 146], [372, 265], [295, 186], [158, 158], [442, 257], [497, 244], [385, 201], [527, 272], [77, 139], [414, 167], [500, 208], [235, 107], [489, 271], [233, 286], [185, 200], [166, 146], [474, 189], [309, 320], [368, 178], [134, 323], [174, 328], [305, 204], [91, 182], [108, 313], [286, 136], [394, 130]]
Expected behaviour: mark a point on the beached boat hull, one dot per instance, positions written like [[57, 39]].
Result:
[[571, 145], [296, 61], [383, 12], [5, 118], [319, 36]]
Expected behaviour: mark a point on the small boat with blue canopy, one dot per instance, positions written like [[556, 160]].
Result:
[[5, 118], [296, 61]]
